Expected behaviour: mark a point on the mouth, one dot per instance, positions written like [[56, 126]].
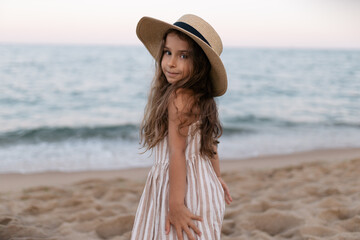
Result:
[[171, 74]]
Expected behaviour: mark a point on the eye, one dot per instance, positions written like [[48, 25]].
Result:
[[167, 52], [184, 56]]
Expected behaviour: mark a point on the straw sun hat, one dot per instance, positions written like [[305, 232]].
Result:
[[151, 31]]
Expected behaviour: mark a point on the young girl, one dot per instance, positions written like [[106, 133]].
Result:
[[184, 196]]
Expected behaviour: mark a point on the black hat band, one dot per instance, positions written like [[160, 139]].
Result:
[[192, 30]]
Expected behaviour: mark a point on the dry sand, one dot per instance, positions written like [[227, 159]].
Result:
[[312, 195]]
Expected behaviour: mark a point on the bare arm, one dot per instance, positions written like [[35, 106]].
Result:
[[177, 167], [179, 215], [216, 166], [215, 162]]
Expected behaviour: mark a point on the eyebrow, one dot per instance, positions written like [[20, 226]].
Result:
[[186, 51]]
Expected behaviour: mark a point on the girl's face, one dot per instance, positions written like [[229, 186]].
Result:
[[176, 62]]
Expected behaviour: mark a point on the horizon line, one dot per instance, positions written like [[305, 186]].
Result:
[[230, 46]]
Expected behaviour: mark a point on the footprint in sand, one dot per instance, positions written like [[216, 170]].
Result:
[[274, 222]]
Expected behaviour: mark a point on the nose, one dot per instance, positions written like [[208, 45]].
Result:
[[172, 61]]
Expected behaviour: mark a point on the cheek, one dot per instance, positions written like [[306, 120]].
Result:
[[162, 64], [189, 68]]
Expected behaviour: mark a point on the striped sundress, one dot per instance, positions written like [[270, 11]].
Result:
[[204, 195]]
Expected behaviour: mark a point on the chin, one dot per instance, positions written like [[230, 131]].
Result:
[[172, 81]]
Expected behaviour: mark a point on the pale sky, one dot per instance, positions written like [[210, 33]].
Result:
[[243, 23]]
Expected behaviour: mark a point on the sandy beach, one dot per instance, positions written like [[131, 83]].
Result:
[[309, 195]]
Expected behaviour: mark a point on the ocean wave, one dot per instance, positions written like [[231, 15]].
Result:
[[247, 125], [126, 132], [58, 134], [253, 120]]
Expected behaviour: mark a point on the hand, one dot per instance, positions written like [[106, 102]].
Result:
[[182, 219], [228, 198]]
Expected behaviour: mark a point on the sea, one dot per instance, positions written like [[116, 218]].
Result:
[[78, 107]]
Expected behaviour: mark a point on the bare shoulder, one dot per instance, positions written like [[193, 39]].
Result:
[[181, 101]]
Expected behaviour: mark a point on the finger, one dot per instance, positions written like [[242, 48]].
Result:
[[227, 192], [195, 229], [226, 188], [230, 198], [228, 195], [227, 200], [195, 217], [167, 226], [188, 233], [179, 233]]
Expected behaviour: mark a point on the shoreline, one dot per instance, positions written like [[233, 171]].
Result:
[[10, 182]]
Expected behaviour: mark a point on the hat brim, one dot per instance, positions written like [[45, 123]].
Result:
[[150, 31]]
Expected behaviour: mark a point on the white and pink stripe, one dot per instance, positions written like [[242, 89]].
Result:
[[204, 196]]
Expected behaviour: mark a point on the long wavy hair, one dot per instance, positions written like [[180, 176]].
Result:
[[154, 127]]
